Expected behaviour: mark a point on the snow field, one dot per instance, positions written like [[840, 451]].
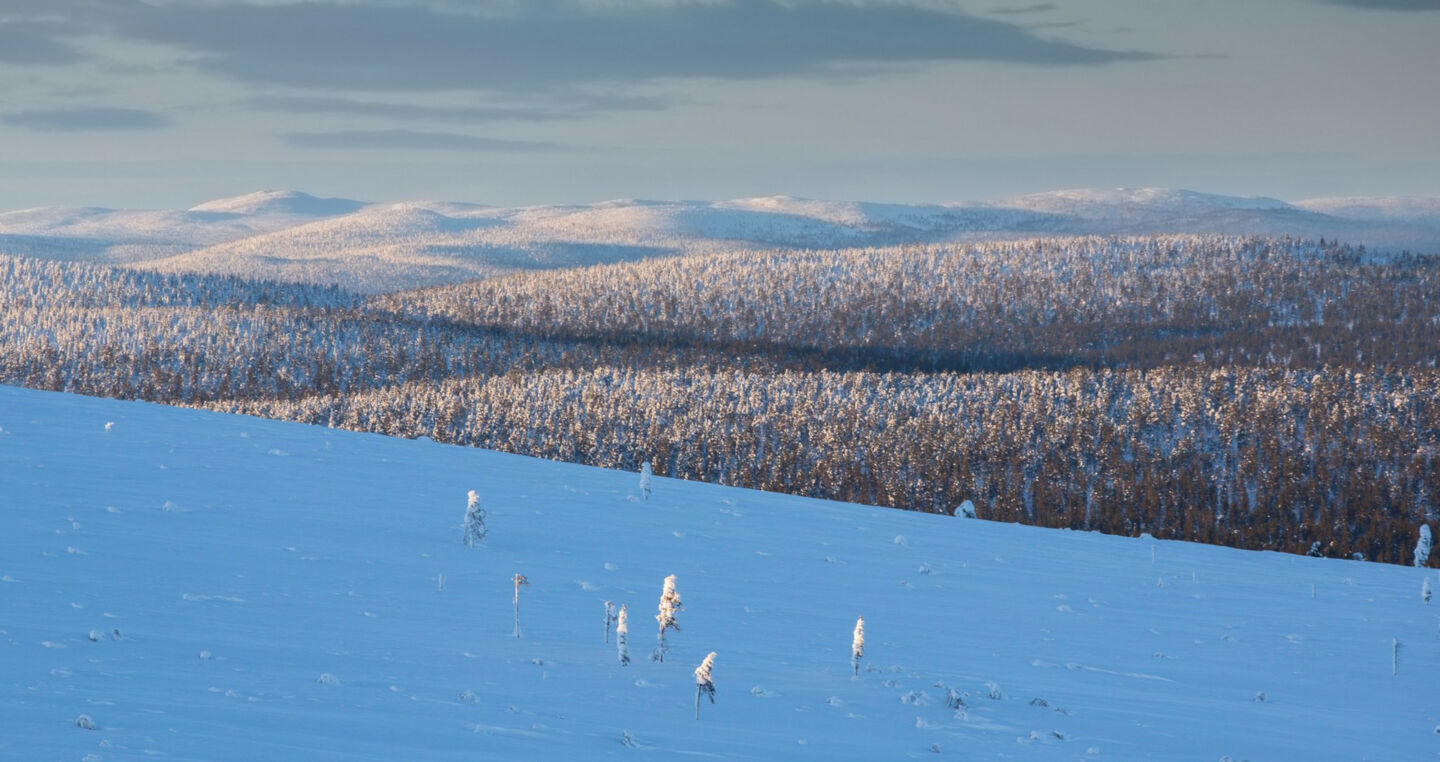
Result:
[[202, 586]]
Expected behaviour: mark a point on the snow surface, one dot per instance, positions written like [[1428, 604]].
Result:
[[294, 236], [203, 586]]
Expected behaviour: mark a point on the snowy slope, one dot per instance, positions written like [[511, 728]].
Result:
[[224, 564], [379, 247], [127, 235]]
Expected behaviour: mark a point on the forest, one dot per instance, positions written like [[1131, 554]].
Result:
[[1259, 393]]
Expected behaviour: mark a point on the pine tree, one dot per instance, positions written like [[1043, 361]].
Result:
[[475, 529]]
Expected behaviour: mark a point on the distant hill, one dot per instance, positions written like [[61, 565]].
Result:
[[293, 236]]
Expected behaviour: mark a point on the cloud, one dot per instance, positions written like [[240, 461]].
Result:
[[532, 110], [1012, 10], [1391, 5], [521, 46], [34, 44], [412, 140], [87, 119]]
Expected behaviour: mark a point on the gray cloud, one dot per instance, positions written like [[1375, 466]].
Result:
[[412, 140], [550, 44], [1391, 5], [34, 44], [87, 119], [1022, 9], [532, 110]]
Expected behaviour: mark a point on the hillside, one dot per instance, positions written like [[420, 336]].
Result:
[[328, 610], [383, 247]]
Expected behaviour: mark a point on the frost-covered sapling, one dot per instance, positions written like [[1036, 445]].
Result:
[[670, 605], [703, 682], [966, 510], [475, 529], [1425, 590], [1422, 546], [518, 579], [857, 645], [609, 619], [622, 634], [645, 474]]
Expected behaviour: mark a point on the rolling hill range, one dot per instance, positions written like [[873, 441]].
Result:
[[157, 599], [291, 236]]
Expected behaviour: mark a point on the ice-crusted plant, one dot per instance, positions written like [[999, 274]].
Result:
[[645, 475], [966, 510], [1425, 590], [622, 634], [475, 529], [857, 645], [670, 605], [704, 684], [518, 579], [1422, 546], [609, 618]]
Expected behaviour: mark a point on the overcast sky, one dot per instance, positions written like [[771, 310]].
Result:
[[167, 103]]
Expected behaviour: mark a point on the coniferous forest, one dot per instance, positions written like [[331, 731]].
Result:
[[1259, 393]]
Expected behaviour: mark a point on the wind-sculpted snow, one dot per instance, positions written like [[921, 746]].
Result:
[[371, 248], [187, 585]]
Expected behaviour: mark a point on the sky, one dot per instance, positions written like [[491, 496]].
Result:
[[168, 103]]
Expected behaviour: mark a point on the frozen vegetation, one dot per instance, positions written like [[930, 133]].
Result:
[[185, 584]]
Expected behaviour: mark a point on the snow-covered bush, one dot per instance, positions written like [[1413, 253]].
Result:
[[609, 618], [703, 682], [475, 529], [84, 722], [645, 474], [966, 510], [622, 634], [1422, 546], [857, 645], [1425, 590], [669, 606]]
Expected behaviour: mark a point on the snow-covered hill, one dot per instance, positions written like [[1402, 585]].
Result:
[[379, 247], [200, 586]]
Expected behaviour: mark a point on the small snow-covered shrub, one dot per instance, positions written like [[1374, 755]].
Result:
[[857, 645], [1422, 546], [84, 722], [1425, 590], [326, 678], [622, 634], [704, 684], [966, 510], [669, 605], [645, 475]]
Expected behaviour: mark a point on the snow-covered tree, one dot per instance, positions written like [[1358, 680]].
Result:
[[703, 682], [1422, 546], [670, 605], [609, 618], [645, 474], [966, 510], [1425, 590], [475, 529], [857, 645], [622, 634]]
